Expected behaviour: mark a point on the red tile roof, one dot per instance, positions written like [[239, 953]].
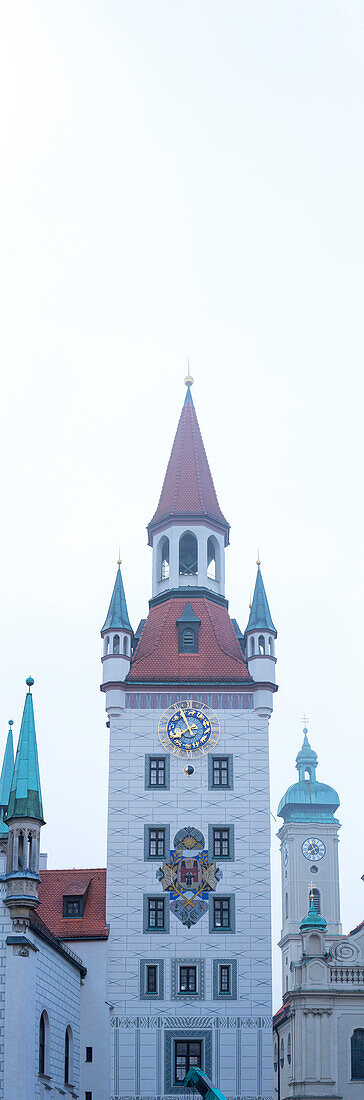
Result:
[[219, 656], [188, 489], [282, 1014], [54, 884]]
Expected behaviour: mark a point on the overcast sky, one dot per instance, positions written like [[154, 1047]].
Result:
[[182, 177]]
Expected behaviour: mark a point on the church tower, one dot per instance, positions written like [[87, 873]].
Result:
[[5, 784], [309, 857], [188, 877]]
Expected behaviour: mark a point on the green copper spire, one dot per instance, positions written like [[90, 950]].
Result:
[[117, 617], [25, 794], [313, 920], [5, 778], [260, 617]]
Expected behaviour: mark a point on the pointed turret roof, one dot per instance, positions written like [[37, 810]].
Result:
[[5, 778], [188, 491], [260, 617], [117, 617], [25, 798]]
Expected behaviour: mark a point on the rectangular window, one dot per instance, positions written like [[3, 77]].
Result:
[[88, 1095], [156, 913], [88, 1054], [72, 906], [186, 1054], [157, 771], [221, 912], [188, 979], [157, 842], [152, 979], [220, 771], [224, 978], [221, 842]]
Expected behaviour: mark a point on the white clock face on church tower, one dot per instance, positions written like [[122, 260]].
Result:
[[313, 849]]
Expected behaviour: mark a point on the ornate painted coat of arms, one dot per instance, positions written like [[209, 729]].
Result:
[[189, 876]]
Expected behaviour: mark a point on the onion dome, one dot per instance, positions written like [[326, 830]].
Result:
[[308, 800], [313, 920]]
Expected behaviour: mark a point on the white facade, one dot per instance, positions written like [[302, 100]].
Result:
[[235, 1030]]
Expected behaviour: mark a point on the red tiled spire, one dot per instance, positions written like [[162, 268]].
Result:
[[188, 491]]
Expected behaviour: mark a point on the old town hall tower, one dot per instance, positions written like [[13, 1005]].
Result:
[[188, 699]]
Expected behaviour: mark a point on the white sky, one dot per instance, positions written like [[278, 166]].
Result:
[[182, 177]]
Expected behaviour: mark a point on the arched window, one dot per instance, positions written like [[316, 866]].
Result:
[[21, 851], [357, 1054], [188, 640], [43, 1059], [252, 647], [68, 1055], [289, 1049], [275, 1057], [286, 904], [282, 1054], [261, 644], [106, 645], [271, 646], [188, 555], [125, 645], [164, 560], [314, 895], [212, 559], [116, 644]]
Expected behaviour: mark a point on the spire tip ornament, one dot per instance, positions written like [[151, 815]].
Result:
[[188, 378]]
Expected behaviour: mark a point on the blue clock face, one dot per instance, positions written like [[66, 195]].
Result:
[[189, 728]]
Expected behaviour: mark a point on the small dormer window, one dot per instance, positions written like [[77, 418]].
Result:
[[188, 628], [73, 906]]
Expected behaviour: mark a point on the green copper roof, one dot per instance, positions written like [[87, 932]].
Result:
[[25, 794], [308, 800], [313, 920], [117, 617], [260, 617], [5, 778]]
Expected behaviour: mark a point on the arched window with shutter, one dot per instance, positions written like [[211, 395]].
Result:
[[357, 1054]]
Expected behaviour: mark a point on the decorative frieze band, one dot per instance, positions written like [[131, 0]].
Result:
[[190, 1022], [158, 700]]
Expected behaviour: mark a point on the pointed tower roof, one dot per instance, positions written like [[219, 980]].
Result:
[[5, 778], [117, 617], [260, 617], [188, 491], [25, 798]]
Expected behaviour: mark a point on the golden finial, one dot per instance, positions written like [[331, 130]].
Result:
[[119, 558], [311, 891], [258, 558], [188, 378]]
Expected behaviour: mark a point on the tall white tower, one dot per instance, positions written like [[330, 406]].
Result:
[[188, 876], [309, 857]]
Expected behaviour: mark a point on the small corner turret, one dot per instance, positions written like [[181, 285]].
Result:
[[117, 638], [260, 636], [24, 818]]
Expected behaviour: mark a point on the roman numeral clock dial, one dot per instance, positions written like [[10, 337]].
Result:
[[189, 729]]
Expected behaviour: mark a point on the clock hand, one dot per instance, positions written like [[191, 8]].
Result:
[[185, 720]]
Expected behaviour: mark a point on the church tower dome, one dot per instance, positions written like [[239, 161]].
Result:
[[308, 800]]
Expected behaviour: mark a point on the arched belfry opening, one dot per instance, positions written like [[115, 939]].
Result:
[[164, 560], [188, 555], [212, 559]]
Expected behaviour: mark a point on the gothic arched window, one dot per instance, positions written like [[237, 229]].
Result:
[[252, 647], [261, 645], [289, 1049], [188, 555], [125, 645], [43, 1059], [116, 644], [357, 1054], [282, 1054], [68, 1054], [164, 559]]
